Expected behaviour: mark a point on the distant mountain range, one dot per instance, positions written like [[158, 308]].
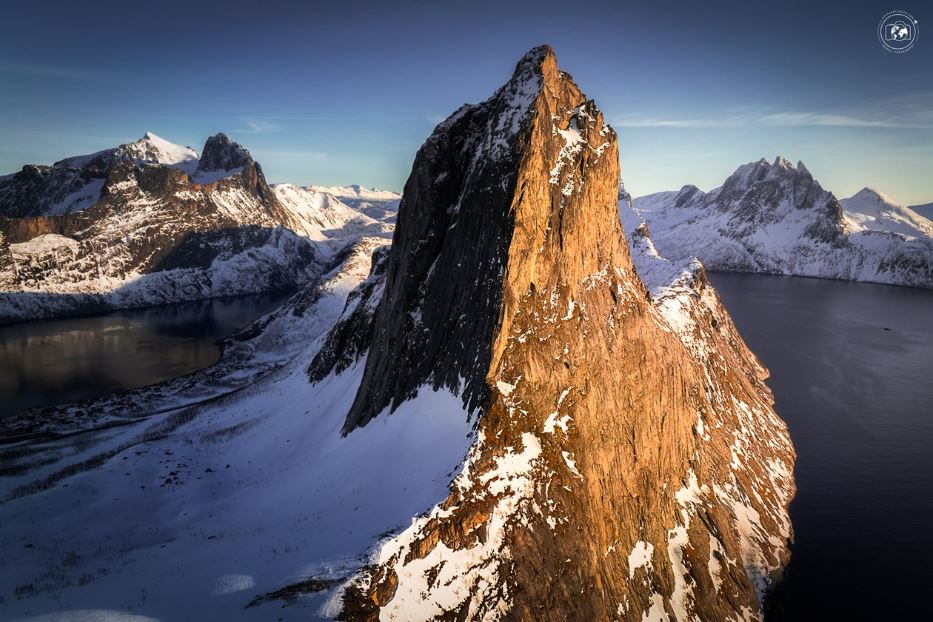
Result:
[[774, 217], [152, 222]]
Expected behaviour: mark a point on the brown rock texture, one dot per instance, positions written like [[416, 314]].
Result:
[[628, 463]]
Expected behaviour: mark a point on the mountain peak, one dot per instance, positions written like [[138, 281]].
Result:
[[157, 150], [464, 178], [221, 153], [782, 162], [871, 194], [540, 59], [509, 284]]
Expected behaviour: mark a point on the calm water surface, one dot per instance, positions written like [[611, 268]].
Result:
[[60, 361], [858, 400]]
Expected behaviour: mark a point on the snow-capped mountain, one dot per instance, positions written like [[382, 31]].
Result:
[[776, 218], [150, 222], [378, 204], [320, 214], [75, 183], [599, 430], [870, 210]]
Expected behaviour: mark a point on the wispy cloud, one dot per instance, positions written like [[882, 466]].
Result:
[[258, 125], [914, 112]]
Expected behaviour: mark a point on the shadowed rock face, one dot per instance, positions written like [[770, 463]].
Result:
[[628, 461], [222, 154], [455, 225]]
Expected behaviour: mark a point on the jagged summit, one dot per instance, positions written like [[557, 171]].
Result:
[[602, 426], [763, 169], [223, 154], [460, 209]]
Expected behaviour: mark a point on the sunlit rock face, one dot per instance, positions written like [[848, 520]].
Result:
[[628, 463]]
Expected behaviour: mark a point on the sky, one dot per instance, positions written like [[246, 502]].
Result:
[[346, 92]]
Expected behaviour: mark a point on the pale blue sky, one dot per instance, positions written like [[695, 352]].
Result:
[[339, 94]]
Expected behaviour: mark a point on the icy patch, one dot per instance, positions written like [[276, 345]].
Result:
[[553, 421], [571, 305], [714, 565], [655, 613], [640, 557], [571, 464], [677, 540], [230, 583], [79, 200], [209, 177], [505, 388]]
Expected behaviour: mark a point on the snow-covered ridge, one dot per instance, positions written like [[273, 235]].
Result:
[[150, 148], [776, 218], [871, 210], [381, 205], [357, 192]]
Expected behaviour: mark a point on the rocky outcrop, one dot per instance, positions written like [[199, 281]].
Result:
[[222, 154], [774, 217], [627, 463]]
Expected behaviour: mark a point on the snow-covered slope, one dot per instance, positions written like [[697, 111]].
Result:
[[149, 149], [870, 210], [776, 218], [378, 204], [321, 215], [74, 184], [193, 511]]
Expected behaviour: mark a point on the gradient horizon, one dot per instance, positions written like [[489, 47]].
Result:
[[338, 95]]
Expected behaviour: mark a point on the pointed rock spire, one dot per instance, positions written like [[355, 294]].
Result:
[[602, 426]]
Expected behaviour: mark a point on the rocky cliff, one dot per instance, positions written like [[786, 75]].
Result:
[[627, 461], [774, 217]]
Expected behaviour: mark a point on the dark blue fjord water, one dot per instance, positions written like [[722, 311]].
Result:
[[50, 362], [852, 374]]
